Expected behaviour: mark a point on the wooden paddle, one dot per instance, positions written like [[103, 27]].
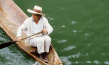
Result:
[[6, 44]]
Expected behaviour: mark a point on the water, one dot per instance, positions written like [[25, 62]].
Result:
[[80, 34]]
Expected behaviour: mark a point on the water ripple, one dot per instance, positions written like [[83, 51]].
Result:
[[73, 22], [87, 34], [50, 18], [2, 39], [106, 62], [96, 62], [68, 48], [61, 41], [74, 56], [74, 31], [64, 59], [88, 61]]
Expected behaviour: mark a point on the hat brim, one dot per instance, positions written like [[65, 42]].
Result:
[[31, 11]]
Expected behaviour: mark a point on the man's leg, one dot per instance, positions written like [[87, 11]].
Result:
[[47, 42], [39, 43]]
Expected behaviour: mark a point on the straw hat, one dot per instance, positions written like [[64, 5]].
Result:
[[36, 10]]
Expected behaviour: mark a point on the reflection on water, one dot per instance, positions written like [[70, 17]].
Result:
[[73, 22], [50, 18], [87, 34], [106, 62], [74, 31], [74, 56], [37, 63], [65, 59], [61, 41], [68, 48], [63, 26], [81, 62]]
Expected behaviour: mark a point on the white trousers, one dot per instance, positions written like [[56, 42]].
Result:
[[42, 43]]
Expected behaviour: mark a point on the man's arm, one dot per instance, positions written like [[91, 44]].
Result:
[[47, 27], [20, 29]]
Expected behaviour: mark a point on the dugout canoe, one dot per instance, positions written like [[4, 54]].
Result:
[[11, 17]]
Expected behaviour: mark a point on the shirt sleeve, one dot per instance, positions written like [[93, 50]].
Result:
[[47, 26], [23, 27]]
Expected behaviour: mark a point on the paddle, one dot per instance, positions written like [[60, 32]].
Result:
[[6, 44]]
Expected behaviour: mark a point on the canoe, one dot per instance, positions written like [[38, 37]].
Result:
[[11, 17]]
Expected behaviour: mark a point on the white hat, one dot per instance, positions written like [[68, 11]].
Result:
[[36, 10]]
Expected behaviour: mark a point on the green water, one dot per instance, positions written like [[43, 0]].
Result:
[[80, 36]]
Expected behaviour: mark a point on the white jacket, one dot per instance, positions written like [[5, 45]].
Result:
[[27, 26]]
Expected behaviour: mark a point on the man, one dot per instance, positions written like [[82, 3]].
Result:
[[33, 25]]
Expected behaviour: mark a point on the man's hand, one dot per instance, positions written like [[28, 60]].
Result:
[[45, 31], [18, 38]]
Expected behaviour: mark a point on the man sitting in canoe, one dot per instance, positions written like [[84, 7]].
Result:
[[33, 25]]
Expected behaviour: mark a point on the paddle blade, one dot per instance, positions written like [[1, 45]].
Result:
[[6, 44]]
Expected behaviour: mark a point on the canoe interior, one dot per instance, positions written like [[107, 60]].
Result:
[[11, 17]]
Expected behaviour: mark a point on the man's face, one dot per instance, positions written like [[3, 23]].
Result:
[[36, 16]]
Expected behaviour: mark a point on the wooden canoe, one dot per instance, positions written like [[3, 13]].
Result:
[[11, 17]]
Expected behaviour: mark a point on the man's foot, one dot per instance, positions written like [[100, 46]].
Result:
[[36, 54], [40, 55], [45, 57]]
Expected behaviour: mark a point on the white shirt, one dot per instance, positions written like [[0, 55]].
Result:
[[36, 27]]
